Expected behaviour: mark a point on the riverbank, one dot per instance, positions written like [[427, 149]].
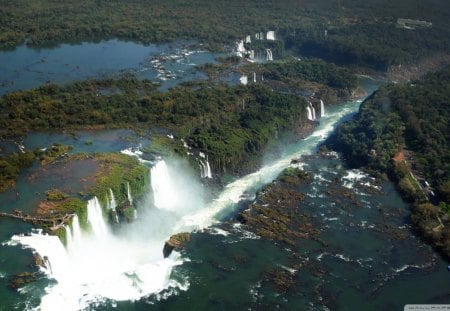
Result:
[[387, 128]]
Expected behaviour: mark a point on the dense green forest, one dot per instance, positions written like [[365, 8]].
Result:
[[310, 70], [403, 130], [363, 33], [231, 124]]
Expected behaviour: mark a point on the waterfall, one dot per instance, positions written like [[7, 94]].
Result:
[[208, 169], [309, 113], [269, 56], [240, 49], [270, 35], [76, 229], [254, 77], [69, 240], [243, 80], [165, 194], [130, 266], [248, 39], [95, 218], [322, 108], [251, 54], [112, 205], [205, 169], [130, 198]]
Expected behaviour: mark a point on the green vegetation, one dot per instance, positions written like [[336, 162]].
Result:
[[310, 70], [230, 124], [414, 115], [10, 167], [115, 171], [402, 130], [364, 33], [55, 195], [52, 153], [293, 176]]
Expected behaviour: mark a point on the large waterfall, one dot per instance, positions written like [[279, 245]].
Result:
[[322, 109], [232, 193], [96, 264], [165, 194], [127, 263]]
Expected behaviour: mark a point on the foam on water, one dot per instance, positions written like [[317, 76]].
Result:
[[129, 265], [233, 191], [98, 265]]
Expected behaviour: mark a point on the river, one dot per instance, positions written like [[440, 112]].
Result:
[[226, 267]]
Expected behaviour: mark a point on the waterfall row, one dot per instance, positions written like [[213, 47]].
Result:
[[311, 111], [96, 221]]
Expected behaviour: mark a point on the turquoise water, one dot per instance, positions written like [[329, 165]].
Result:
[[365, 267]]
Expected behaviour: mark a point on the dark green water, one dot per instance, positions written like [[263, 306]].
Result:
[[372, 261], [366, 266]]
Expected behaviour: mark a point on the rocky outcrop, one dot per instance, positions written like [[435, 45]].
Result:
[[176, 241]]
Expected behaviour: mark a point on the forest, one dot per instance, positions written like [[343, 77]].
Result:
[[349, 32], [231, 124], [402, 131]]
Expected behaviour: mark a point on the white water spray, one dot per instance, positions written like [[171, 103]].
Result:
[[269, 55], [130, 198], [322, 109], [129, 266]]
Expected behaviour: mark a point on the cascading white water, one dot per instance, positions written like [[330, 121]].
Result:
[[309, 113], [130, 198], [69, 240], [100, 265], [322, 109], [248, 39], [95, 218], [208, 169], [130, 265], [76, 229], [240, 49], [243, 80], [270, 35], [233, 192], [165, 194], [254, 77], [313, 112], [112, 205], [269, 56]]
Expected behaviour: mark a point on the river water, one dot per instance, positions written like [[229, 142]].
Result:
[[26, 68], [364, 266]]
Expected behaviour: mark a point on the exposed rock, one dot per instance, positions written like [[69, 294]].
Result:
[[38, 261], [19, 280], [176, 241]]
